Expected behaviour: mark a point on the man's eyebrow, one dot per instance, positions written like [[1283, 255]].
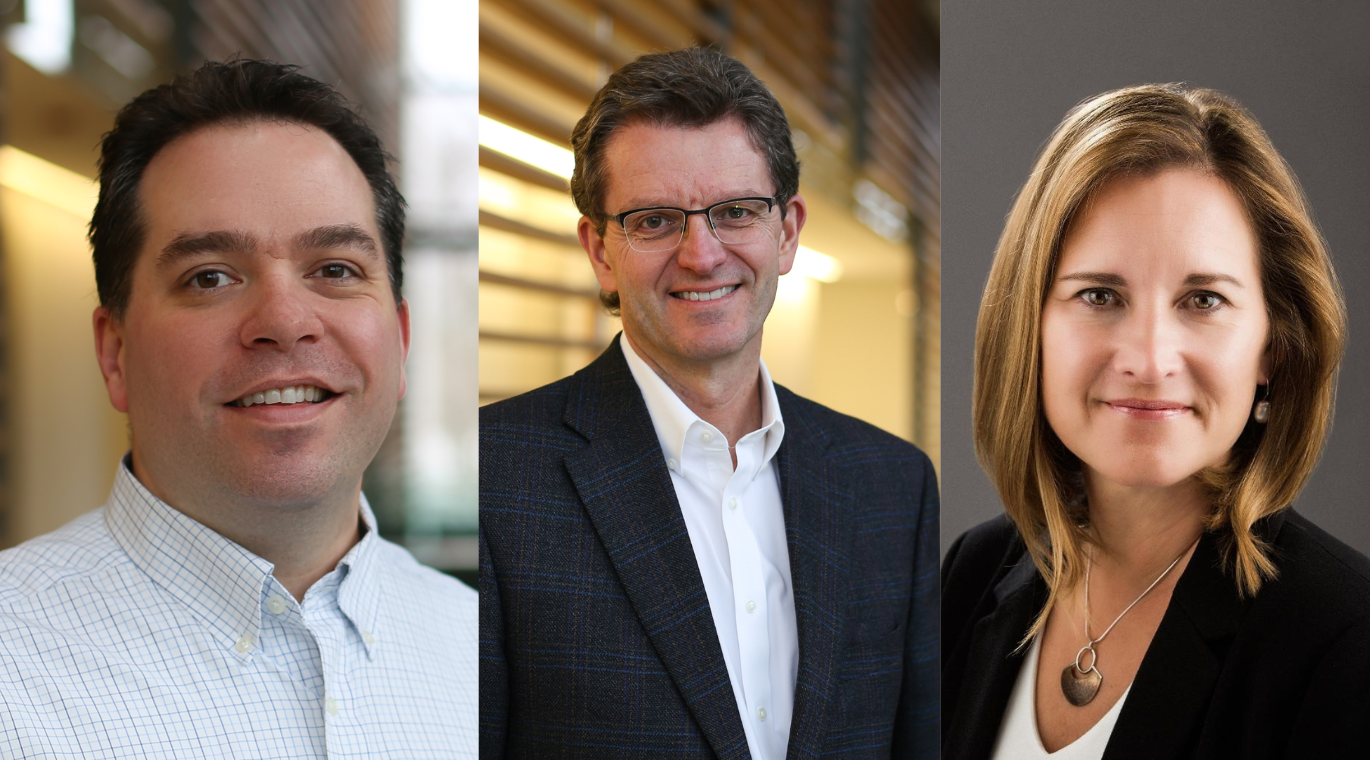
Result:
[[188, 244], [336, 236], [1094, 278]]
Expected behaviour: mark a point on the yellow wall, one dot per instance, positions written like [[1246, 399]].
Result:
[[65, 439]]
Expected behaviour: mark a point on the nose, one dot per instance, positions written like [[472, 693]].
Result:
[[280, 314], [700, 250], [1150, 345]]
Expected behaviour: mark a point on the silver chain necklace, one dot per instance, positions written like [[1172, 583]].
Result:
[[1081, 684]]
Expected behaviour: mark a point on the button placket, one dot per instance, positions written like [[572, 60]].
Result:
[[749, 593]]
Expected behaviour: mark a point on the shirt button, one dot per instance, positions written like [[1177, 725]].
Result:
[[243, 645], [761, 714], [275, 604], [706, 437], [332, 706], [368, 638], [672, 465], [732, 503], [751, 606]]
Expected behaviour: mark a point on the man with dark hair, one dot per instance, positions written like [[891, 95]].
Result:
[[679, 557], [232, 598]]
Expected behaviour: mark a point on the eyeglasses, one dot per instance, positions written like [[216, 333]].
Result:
[[661, 228]]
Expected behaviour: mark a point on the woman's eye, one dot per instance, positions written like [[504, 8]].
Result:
[[210, 279], [1097, 297], [1206, 301]]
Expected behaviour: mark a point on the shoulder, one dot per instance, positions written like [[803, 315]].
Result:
[[433, 605], [845, 437], [43, 568], [424, 581], [980, 554], [540, 407], [1318, 573]]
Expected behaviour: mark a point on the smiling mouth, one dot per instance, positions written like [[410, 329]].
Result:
[[707, 295], [297, 394], [1151, 410]]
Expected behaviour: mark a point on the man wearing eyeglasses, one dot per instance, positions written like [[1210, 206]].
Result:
[[677, 555]]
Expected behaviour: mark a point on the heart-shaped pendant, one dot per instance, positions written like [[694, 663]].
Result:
[[1080, 687]]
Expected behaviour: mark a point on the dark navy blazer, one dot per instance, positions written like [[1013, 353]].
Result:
[[1284, 675], [596, 635]]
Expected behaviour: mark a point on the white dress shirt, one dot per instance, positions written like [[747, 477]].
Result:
[[135, 631], [737, 528], [1018, 735]]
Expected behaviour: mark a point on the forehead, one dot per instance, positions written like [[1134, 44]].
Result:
[[654, 164], [1173, 222], [269, 179]]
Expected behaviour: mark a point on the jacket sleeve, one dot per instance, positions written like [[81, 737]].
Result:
[[1333, 720], [917, 722], [494, 674]]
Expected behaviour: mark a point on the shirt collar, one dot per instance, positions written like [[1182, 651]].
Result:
[[673, 419], [222, 584]]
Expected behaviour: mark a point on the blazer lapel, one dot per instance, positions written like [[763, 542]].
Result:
[[1174, 686], [992, 662], [623, 482], [818, 530]]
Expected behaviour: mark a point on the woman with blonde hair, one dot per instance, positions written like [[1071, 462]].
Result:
[[1155, 364]]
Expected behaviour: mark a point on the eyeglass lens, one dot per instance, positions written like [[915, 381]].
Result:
[[733, 223]]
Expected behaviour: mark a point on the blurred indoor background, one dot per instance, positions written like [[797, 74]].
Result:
[[856, 324], [68, 65]]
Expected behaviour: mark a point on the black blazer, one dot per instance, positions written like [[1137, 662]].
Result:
[[1283, 675], [595, 632]]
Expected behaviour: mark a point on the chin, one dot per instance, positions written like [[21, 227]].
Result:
[[711, 348], [297, 480], [1144, 472]]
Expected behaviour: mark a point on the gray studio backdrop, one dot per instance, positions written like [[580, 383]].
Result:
[[1011, 70]]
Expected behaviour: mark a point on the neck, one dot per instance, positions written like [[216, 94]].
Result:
[[725, 392], [304, 542], [1140, 531]]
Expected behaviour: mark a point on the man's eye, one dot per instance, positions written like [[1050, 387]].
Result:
[[208, 280], [738, 212], [653, 222], [336, 271]]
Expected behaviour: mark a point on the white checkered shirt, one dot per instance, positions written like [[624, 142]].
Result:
[[135, 631]]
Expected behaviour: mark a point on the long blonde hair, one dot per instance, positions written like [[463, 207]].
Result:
[[1143, 130]]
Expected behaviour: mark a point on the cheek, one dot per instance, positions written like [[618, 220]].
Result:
[[170, 358], [1231, 361], [1072, 358], [1058, 368], [369, 338]]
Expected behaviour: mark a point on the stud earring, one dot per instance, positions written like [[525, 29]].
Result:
[[1261, 413]]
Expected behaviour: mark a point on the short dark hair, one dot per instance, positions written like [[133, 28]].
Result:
[[693, 87], [236, 92]]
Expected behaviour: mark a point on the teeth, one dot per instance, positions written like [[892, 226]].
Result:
[[694, 295], [289, 395]]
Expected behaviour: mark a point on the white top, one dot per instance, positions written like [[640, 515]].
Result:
[[1018, 737], [135, 631], [737, 528]]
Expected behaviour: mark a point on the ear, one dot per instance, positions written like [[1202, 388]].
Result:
[[402, 312], [1263, 371], [109, 354], [796, 212], [593, 243]]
